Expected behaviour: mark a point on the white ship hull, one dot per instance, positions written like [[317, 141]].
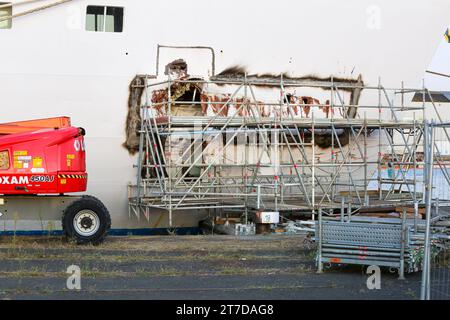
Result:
[[51, 66]]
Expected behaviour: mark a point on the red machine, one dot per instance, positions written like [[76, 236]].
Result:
[[47, 157]]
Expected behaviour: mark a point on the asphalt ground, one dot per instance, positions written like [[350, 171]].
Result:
[[186, 267]]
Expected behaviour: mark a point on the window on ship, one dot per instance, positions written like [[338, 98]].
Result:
[[5, 12], [104, 19]]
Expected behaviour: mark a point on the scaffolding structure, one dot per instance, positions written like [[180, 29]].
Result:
[[436, 258], [405, 243], [370, 161]]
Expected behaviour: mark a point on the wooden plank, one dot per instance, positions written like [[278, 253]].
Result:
[[410, 210]]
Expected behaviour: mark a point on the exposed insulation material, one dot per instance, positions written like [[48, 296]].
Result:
[[133, 122]]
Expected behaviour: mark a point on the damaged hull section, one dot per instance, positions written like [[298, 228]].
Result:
[[211, 100]]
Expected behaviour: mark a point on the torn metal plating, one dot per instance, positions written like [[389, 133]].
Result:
[[195, 99]]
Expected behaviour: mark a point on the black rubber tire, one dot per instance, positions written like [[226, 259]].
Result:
[[86, 203]]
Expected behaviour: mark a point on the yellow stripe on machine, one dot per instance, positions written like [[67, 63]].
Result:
[[72, 176]]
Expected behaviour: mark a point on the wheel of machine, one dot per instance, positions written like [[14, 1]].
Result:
[[86, 220]]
